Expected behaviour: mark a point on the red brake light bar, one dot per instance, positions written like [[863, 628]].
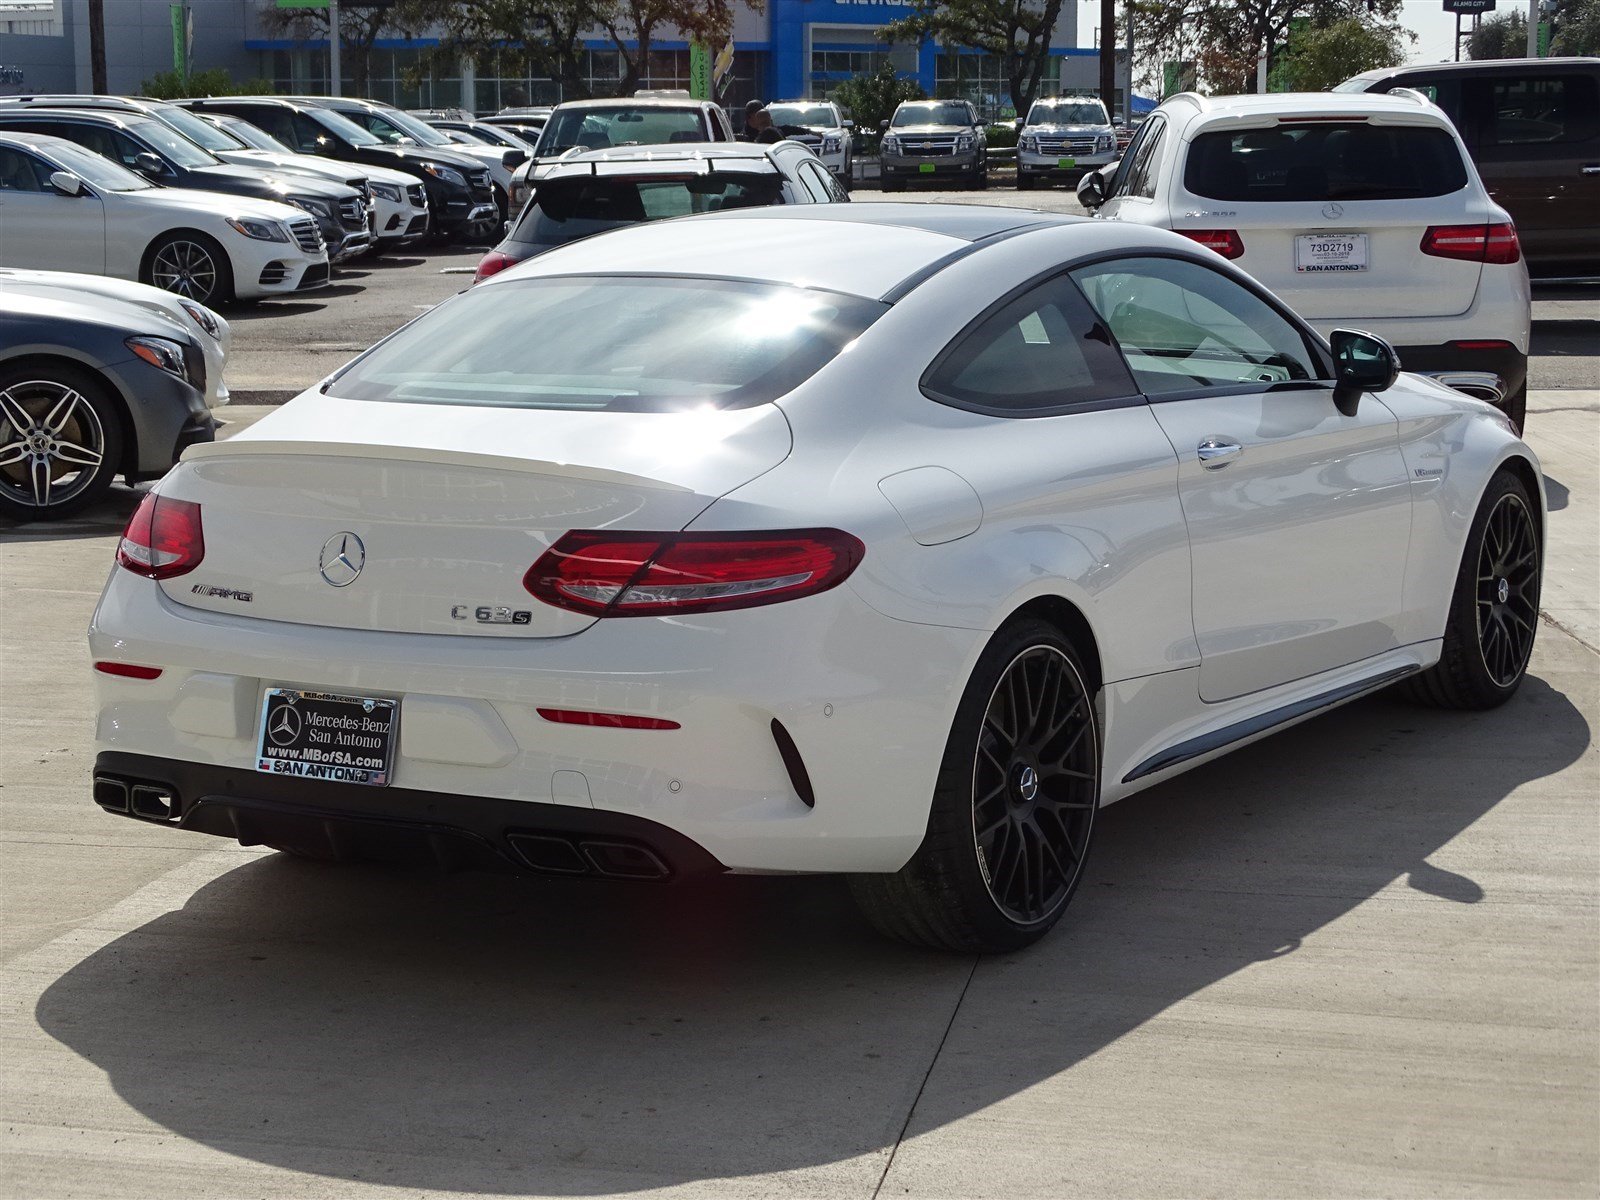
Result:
[[605, 720], [655, 574], [163, 538]]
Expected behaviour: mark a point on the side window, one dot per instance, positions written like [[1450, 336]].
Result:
[[20, 172], [304, 133], [1042, 352], [1184, 326], [1134, 158], [814, 178], [1543, 108], [1147, 171]]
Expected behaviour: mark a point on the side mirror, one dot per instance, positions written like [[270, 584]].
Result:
[[148, 164], [66, 183], [1362, 362], [1092, 190], [848, 123], [883, 127], [512, 159]]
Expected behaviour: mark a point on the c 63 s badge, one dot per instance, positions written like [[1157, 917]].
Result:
[[222, 593], [491, 615]]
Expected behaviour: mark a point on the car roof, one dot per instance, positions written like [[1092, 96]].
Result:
[[1302, 103], [633, 102], [871, 250], [115, 116], [1515, 65], [688, 151], [35, 141]]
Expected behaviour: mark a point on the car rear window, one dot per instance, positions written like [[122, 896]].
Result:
[[1324, 161], [567, 208], [610, 343], [594, 128]]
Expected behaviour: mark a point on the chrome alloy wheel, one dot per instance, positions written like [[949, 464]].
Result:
[[51, 443], [1035, 785], [1508, 590], [185, 267]]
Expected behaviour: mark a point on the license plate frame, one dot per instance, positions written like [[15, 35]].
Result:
[[1331, 253], [328, 736], [1066, 163], [926, 168]]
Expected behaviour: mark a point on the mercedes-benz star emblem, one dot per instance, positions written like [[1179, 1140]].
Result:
[[1028, 783], [343, 556], [285, 727], [1333, 211]]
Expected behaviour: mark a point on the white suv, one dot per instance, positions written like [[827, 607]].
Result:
[[822, 127], [1062, 137], [1358, 210]]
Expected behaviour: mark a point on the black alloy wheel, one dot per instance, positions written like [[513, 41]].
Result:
[[1508, 590], [1034, 785], [60, 440], [1013, 812], [1494, 611]]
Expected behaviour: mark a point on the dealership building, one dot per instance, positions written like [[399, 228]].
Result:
[[794, 49]]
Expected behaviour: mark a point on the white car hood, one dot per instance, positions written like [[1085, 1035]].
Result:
[[216, 204]]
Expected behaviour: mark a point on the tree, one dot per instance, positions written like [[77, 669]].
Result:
[[709, 23], [1504, 35], [542, 37], [1225, 38], [360, 27], [171, 85], [871, 99], [1015, 31], [1319, 58], [1577, 27]]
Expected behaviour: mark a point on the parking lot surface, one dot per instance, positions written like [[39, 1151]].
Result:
[[1361, 957]]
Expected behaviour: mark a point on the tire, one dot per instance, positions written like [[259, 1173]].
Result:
[[1489, 639], [1007, 837], [893, 185], [189, 264], [980, 181], [1516, 407], [60, 441]]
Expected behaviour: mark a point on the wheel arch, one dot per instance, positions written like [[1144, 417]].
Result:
[[1070, 620], [62, 356], [1528, 475]]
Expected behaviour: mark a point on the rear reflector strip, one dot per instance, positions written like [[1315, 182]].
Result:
[[604, 720], [128, 670], [1493, 344]]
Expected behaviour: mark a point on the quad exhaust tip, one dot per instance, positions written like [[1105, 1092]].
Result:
[[135, 798], [153, 803], [111, 794], [550, 855]]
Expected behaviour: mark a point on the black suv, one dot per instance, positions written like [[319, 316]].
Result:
[[1532, 125], [460, 192], [124, 134]]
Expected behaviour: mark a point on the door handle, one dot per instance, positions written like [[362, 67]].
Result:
[[1215, 453]]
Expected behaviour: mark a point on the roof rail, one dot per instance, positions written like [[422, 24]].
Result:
[[1411, 94]]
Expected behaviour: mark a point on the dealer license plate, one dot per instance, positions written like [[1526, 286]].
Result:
[[1066, 163], [1330, 254], [316, 735], [926, 168]]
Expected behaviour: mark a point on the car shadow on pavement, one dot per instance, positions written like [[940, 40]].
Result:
[[501, 1035], [1564, 337], [107, 516]]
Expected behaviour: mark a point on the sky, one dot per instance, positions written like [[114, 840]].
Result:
[[1434, 27]]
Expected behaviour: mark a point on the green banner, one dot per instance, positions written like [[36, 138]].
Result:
[[699, 71], [180, 62], [302, 3]]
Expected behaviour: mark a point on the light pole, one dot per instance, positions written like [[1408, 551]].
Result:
[[335, 71]]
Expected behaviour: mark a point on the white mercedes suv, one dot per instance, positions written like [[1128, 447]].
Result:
[[1361, 210]]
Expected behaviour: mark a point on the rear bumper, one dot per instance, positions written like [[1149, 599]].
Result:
[[396, 824], [1505, 362]]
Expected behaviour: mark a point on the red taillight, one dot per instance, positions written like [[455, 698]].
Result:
[[650, 574], [1225, 242], [1495, 243], [492, 263], [162, 539], [578, 716], [1491, 344], [129, 670]]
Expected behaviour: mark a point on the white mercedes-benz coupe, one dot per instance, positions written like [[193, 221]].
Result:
[[892, 547]]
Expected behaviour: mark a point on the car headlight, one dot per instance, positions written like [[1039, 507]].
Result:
[[387, 191], [891, 145], [445, 174], [831, 144], [964, 142], [1103, 142], [1029, 142], [317, 208], [203, 317], [161, 352], [262, 231]]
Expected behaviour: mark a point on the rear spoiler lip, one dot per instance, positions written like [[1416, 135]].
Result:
[[254, 447]]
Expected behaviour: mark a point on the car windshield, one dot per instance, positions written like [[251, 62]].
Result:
[[623, 125], [497, 137], [96, 169], [608, 343], [803, 114], [197, 129], [567, 208], [341, 125], [393, 127], [1325, 161], [173, 144], [931, 114], [1069, 112], [253, 136]]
